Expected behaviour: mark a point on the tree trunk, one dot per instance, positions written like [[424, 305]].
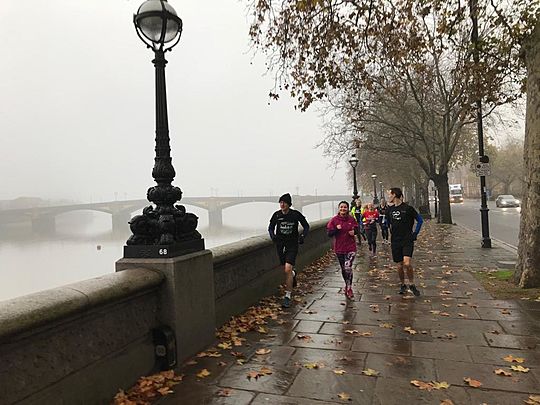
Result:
[[527, 273], [441, 182]]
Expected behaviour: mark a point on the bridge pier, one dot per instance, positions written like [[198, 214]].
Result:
[[44, 224], [120, 222], [215, 218]]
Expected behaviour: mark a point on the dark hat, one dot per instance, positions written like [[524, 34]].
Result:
[[286, 198]]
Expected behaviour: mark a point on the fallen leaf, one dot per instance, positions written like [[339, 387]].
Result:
[[263, 351], [262, 329], [386, 325], [265, 371], [521, 369], [473, 383], [410, 330], [225, 345], [310, 312], [533, 400], [203, 373], [447, 402], [165, 391], [502, 372], [370, 372], [314, 365], [344, 397], [191, 363], [339, 372], [304, 337], [512, 359], [222, 364], [440, 385], [225, 392], [253, 374], [422, 385]]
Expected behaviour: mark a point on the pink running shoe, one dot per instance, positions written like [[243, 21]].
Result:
[[349, 293]]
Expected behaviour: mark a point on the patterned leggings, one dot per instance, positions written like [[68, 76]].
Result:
[[346, 261]]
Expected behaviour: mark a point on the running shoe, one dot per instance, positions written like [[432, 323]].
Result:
[[414, 290], [403, 289], [349, 293], [286, 302], [294, 282]]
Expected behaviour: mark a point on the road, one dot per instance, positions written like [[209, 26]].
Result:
[[503, 222]]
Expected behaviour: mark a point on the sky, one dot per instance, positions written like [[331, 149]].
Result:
[[77, 107]]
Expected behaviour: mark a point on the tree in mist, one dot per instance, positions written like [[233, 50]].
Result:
[[506, 166], [311, 45]]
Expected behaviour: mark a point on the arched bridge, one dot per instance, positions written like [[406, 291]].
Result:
[[43, 218]]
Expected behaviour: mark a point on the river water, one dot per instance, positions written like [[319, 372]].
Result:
[[85, 247]]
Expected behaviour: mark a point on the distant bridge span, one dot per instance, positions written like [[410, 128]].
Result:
[[43, 218]]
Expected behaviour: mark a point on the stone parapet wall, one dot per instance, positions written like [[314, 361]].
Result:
[[83, 340], [80, 343]]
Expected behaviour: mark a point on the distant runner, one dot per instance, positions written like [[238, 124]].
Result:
[[283, 230], [356, 212], [383, 207], [343, 227], [400, 217], [370, 217]]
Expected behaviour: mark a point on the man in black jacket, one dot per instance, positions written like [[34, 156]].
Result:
[[283, 230]]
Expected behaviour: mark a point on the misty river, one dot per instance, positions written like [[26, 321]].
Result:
[[84, 245]]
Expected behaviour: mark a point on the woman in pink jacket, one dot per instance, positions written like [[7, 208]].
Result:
[[343, 227]]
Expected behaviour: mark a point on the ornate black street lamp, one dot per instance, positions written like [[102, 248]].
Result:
[[484, 210], [164, 229], [353, 161], [375, 198]]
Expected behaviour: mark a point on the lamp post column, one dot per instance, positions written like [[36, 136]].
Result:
[[355, 186], [375, 198], [486, 240]]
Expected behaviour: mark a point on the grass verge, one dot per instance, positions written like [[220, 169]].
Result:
[[500, 286]]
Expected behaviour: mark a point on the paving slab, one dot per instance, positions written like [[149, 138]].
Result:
[[326, 385]]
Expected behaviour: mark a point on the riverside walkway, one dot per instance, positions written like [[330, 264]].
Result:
[[454, 344]]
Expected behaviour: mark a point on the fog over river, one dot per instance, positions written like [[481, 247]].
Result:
[[85, 247]]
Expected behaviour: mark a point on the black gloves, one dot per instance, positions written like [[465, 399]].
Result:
[[414, 236], [301, 240]]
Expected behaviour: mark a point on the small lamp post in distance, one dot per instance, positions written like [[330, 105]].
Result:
[[375, 198], [353, 161]]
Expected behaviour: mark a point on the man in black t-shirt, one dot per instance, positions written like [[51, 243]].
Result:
[[400, 218], [283, 230]]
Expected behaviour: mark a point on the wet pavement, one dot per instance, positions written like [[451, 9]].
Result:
[[328, 350]]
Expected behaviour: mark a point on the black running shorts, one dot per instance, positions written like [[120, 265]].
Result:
[[287, 252], [402, 248]]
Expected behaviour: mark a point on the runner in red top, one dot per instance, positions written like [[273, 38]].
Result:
[[371, 218], [343, 227]]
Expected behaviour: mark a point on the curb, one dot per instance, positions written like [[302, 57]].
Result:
[[504, 245]]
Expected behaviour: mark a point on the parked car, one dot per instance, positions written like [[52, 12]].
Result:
[[507, 200]]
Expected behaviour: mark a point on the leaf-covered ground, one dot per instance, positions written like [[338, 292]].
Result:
[[455, 344]]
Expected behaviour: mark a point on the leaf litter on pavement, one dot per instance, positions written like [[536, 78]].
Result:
[[255, 319]]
